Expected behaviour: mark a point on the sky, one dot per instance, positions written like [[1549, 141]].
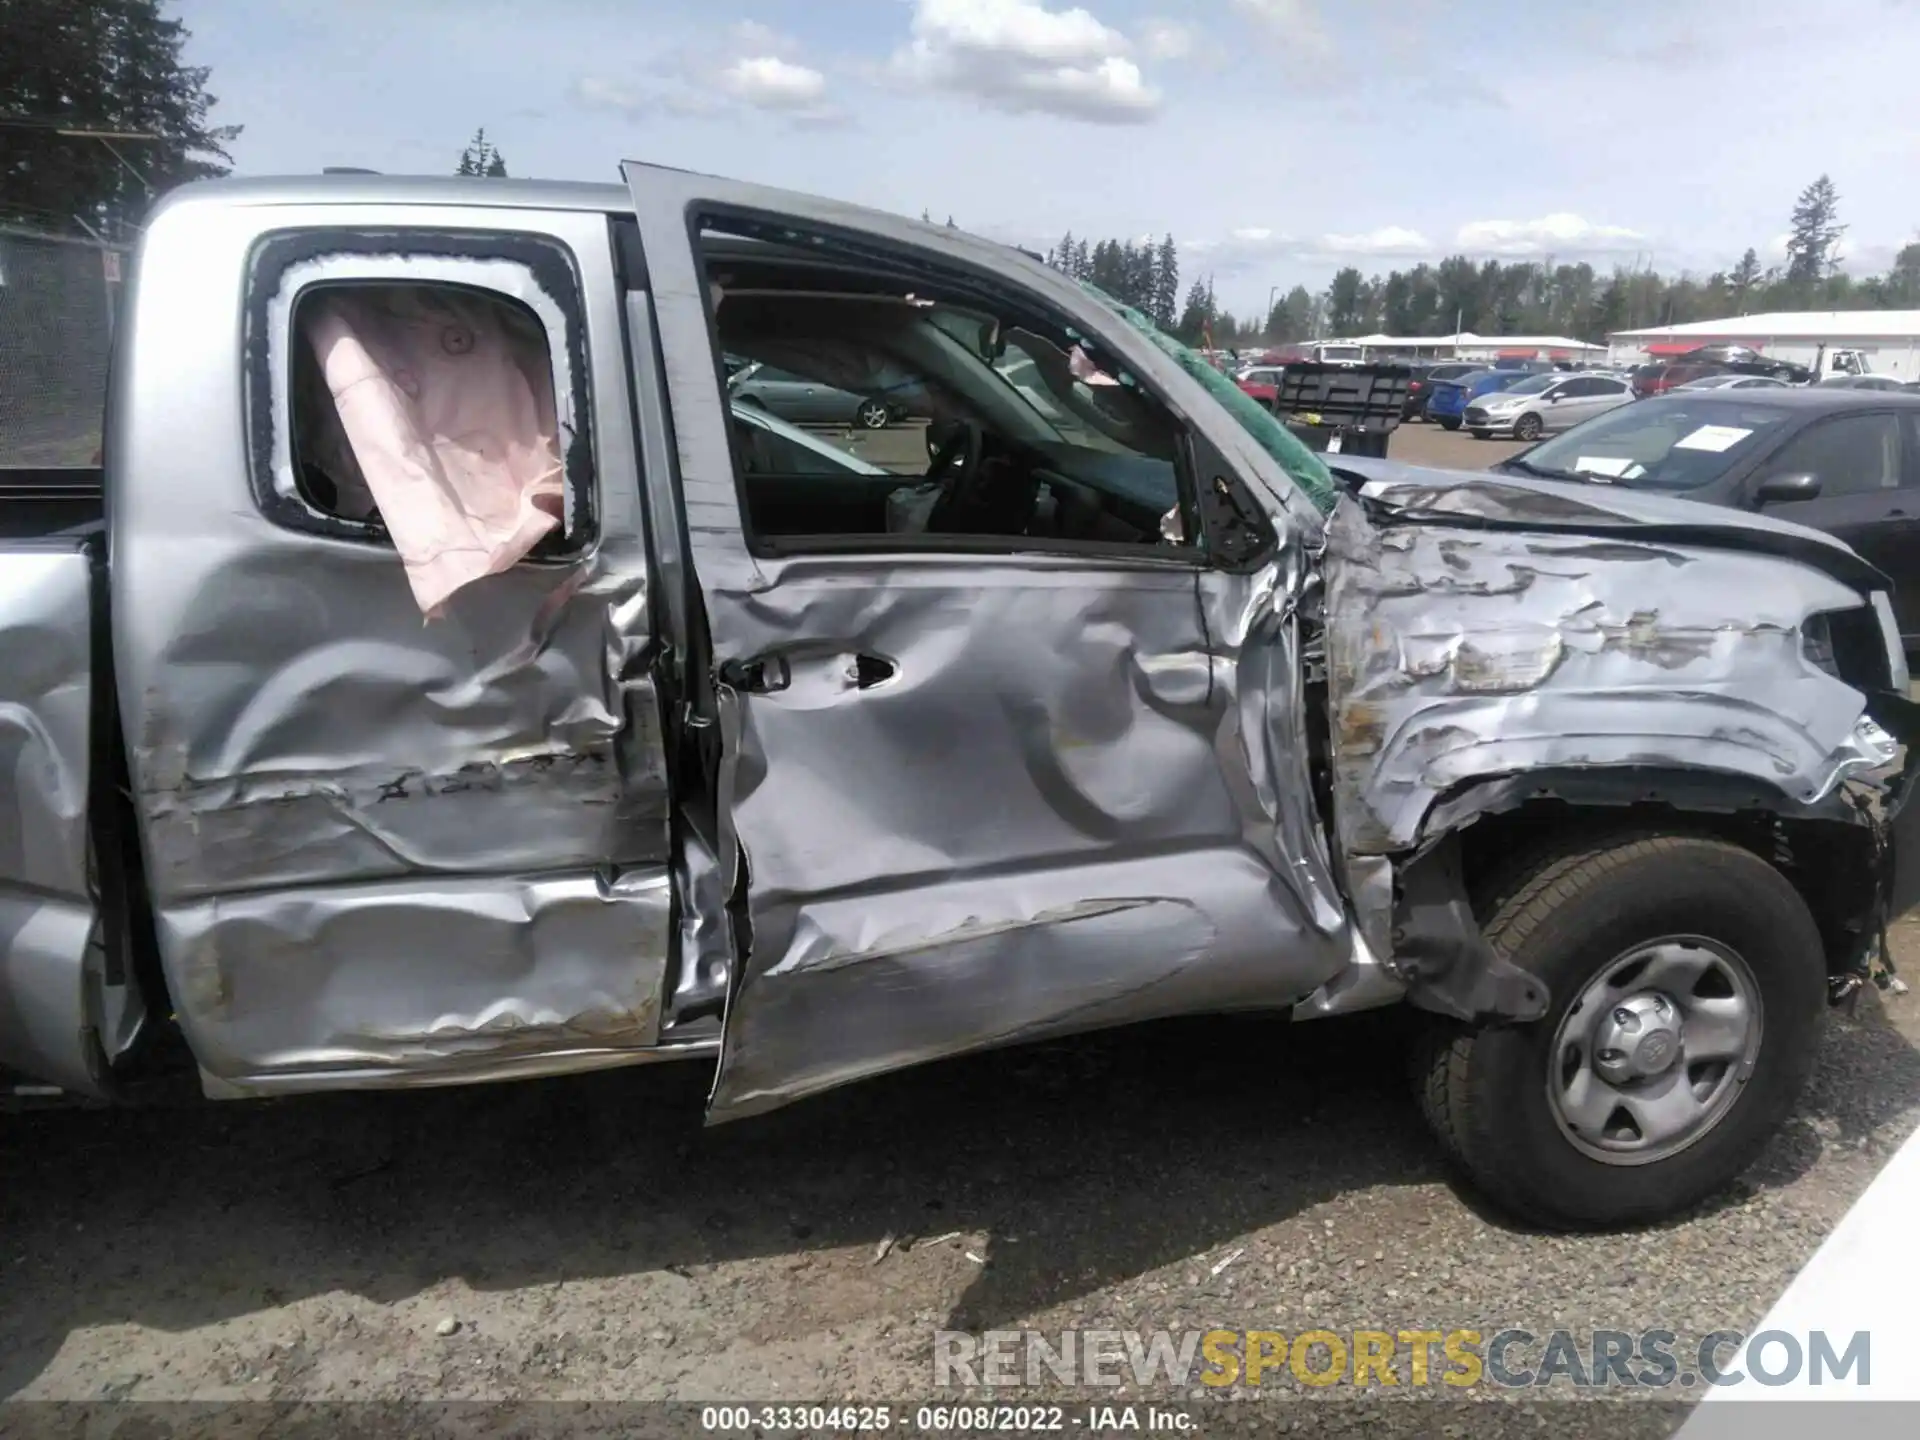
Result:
[[1275, 139]]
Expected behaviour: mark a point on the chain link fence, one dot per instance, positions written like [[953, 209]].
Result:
[[58, 296]]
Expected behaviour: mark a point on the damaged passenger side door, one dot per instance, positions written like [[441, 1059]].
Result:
[[978, 788]]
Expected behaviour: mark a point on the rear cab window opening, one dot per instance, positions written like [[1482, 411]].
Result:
[[432, 399], [915, 406]]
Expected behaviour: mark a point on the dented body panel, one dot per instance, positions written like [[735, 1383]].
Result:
[[1079, 797], [662, 792], [52, 954], [1456, 655], [1559, 645], [372, 840]]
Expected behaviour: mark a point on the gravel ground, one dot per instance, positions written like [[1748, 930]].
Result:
[[587, 1239]]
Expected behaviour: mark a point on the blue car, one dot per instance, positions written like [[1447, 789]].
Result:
[[1449, 399]]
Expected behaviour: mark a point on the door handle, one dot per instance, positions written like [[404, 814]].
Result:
[[762, 675], [867, 671], [769, 674]]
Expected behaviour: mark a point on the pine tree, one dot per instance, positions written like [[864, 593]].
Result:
[[1197, 315], [480, 158], [1166, 285], [1745, 275], [1816, 234], [1346, 302], [101, 65]]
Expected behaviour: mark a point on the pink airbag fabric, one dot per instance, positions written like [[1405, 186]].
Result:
[[447, 402]]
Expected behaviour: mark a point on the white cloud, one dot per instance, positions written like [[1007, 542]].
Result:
[[737, 74], [771, 83], [757, 39], [1560, 231], [1166, 40], [1020, 29], [1020, 56], [1387, 240], [1292, 22]]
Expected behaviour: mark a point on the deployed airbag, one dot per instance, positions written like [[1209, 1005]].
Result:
[[446, 400]]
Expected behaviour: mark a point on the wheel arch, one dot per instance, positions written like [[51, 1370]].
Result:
[[1831, 851]]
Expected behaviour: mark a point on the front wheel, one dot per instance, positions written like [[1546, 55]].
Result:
[[873, 415], [1482, 434], [1689, 985], [1447, 422], [1527, 427]]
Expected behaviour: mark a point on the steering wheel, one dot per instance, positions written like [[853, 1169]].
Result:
[[960, 453], [955, 468]]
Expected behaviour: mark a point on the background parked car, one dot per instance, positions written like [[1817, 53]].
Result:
[[1734, 382], [794, 397], [1863, 382], [769, 445], [1425, 377], [1539, 403], [1745, 360], [1262, 382], [1835, 458], [1448, 400], [1660, 377]]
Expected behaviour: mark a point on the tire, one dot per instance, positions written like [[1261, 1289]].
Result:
[[1482, 434], [1448, 422], [1568, 918], [1527, 427], [873, 415]]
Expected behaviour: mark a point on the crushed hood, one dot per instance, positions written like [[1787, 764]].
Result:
[[1484, 499]]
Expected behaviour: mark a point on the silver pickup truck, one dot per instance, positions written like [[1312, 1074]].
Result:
[[439, 682]]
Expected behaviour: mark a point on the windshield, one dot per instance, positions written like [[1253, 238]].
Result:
[[1677, 442]]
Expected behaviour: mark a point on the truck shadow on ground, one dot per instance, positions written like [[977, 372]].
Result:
[[1108, 1157]]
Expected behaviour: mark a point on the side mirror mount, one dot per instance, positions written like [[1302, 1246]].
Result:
[[1789, 486]]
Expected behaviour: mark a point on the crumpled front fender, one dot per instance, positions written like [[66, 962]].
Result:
[[1459, 656]]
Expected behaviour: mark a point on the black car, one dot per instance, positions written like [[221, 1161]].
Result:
[[1421, 386], [1840, 460], [1745, 360]]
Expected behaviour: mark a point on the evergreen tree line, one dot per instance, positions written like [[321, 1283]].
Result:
[[1493, 297], [1144, 275]]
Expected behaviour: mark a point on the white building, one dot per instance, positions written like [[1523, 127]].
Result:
[[1468, 346], [1888, 340]]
